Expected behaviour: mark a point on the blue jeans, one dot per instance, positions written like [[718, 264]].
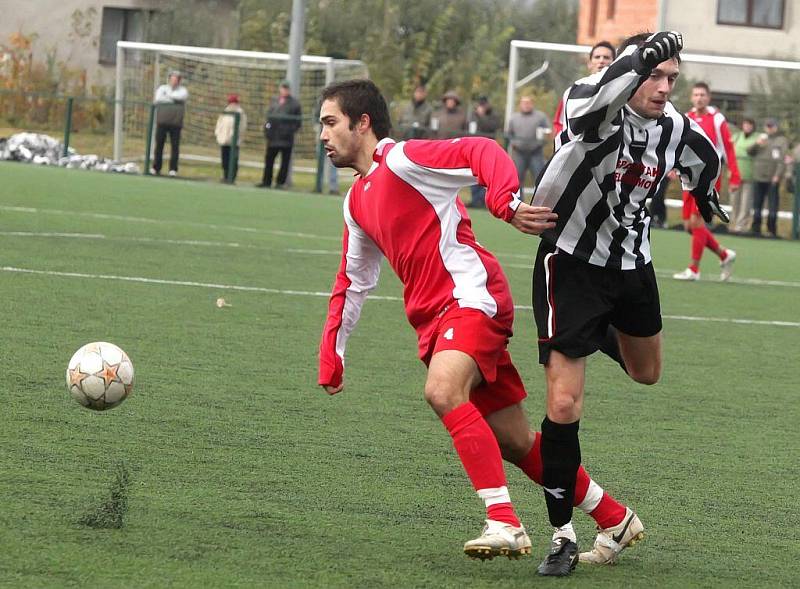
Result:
[[768, 191], [527, 160], [478, 196]]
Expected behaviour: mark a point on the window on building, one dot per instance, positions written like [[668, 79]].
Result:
[[120, 24], [751, 13]]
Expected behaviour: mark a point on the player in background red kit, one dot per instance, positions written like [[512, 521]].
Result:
[[404, 206], [600, 55], [715, 127]]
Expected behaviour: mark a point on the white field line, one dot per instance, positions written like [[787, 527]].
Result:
[[261, 289], [105, 216], [665, 273]]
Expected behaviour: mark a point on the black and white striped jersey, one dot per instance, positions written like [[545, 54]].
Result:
[[609, 160]]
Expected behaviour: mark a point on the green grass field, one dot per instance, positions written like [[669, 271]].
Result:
[[242, 473]]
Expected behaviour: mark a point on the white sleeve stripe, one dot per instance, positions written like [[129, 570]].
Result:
[[461, 261]]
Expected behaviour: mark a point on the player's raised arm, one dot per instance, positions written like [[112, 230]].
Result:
[[594, 102], [358, 274]]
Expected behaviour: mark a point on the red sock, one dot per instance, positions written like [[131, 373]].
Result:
[[699, 237], [589, 496], [477, 448], [711, 242]]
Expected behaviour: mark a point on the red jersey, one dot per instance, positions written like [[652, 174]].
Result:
[[407, 209], [716, 128]]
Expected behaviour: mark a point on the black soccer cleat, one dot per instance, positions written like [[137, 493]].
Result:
[[562, 558]]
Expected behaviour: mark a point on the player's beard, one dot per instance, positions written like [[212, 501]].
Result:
[[345, 156]]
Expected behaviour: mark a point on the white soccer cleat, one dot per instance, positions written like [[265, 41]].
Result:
[[727, 265], [687, 274], [611, 541], [499, 539], [172, 173]]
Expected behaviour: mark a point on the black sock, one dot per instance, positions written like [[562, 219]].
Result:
[[610, 347], [561, 458]]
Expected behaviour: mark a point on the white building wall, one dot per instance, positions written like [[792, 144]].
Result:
[[69, 30], [697, 20]]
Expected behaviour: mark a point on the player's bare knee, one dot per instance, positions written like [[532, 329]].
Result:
[[562, 408], [648, 375], [441, 396]]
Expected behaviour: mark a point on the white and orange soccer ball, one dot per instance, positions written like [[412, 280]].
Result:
[[100, 376]]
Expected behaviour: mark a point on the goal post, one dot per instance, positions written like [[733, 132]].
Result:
[[210, 75], [740, 86]]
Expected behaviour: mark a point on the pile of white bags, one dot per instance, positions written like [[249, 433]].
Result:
[[36, 148]]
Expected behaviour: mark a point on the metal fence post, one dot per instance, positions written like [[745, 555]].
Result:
[[320, 167], [796, 205], [68, 125], [149, 140], [233, 161]]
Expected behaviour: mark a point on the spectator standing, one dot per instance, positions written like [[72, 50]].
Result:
[[283, 123], [415, 117], [742, 197], [170, 101], [527, 131], [485, 123], [768, 168], [226, 123], [450, 120]]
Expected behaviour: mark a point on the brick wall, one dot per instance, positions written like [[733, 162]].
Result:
[[614, 20]]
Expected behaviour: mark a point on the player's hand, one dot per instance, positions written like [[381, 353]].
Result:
[[660, 47], [710, 207], [333, 390], [533, 220]]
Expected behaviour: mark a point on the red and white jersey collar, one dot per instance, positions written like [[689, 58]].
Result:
[[379, 153]]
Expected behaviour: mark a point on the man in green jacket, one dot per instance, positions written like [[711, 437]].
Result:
[[741, 198], [768, 168]]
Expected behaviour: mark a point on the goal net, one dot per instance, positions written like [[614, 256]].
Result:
[[210, 75], [741, 87]]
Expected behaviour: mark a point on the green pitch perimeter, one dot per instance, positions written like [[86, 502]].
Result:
[[228, 467]]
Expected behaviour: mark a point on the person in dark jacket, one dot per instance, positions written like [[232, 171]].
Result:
[[283, 122], [484, 122]]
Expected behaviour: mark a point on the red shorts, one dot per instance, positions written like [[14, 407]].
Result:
[[689, 207], [486, 341]]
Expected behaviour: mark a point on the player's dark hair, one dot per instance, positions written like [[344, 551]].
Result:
[[638, 40], [702, 85], [750, 120], [361, 97], [605, 44]]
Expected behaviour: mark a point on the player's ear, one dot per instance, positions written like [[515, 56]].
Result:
[[364, 123]]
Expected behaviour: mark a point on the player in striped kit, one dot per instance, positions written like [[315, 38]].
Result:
[[404, 206], [593, 284], [715, 126]]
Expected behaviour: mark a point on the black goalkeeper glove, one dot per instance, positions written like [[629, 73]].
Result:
[[660, 47], [709, 207]]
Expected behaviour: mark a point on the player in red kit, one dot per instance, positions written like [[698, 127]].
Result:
[[715, 127], [404, 206]]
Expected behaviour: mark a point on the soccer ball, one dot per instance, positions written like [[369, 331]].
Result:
[[100, 376]]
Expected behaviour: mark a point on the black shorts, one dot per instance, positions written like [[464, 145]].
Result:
[[574, 302]]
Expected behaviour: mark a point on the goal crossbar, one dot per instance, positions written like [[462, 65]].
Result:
[[702, 58]]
